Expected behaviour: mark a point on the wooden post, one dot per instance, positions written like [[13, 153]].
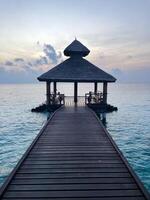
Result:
[[55, 88], [95, 87], [75, 92], [105, 92], [48, 93]]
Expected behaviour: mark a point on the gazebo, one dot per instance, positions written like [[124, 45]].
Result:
[[76, 69]]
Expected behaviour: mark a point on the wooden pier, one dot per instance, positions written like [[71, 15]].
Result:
[[73, 157]]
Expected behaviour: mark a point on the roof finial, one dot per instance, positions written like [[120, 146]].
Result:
[[75, 38]]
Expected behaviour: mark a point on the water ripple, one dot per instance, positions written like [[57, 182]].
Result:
[[130, 126]]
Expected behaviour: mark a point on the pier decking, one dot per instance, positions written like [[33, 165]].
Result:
[[73, 157]]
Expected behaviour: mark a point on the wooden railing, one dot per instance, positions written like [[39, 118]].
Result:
[[57, 98], [89, 98], [69, 100], [93, 98]]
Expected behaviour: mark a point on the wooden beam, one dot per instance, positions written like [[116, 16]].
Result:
[[95, 87], [48, 93], [55, 88], [75, 92], [105, 92]]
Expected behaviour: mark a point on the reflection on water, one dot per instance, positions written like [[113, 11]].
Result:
[[102, 117], [129, 126]]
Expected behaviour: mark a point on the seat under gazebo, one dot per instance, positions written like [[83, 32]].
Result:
[[76, 70]]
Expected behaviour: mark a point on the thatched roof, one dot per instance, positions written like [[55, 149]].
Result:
[[76, 68]]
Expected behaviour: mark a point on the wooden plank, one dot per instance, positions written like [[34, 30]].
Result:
[[64, 162], [12, 174], [73, 158], [74, 152], [70, 194], [40, 181], [43, 148], [71, 170], [131, 171], [83, 198], [76, 155], [72, 187], [78, 165], [70, 146], [73, 175]]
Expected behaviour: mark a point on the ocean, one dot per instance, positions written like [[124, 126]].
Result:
[[129, 126]]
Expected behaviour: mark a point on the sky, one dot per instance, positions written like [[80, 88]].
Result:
[[34, 33]]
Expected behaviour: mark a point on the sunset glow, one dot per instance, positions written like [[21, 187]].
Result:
[[116, 32]]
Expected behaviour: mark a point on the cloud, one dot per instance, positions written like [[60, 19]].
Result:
[[19, 60], [17, 76], [8, 63], [20, 70], [129, 56], [141, 75], [116, 71], [118, 74], [101, 55], [51, 54], [48, 58], [26, 70], [41, 61]]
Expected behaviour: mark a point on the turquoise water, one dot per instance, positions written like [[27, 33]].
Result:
[[18, 126], [130, 126]]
